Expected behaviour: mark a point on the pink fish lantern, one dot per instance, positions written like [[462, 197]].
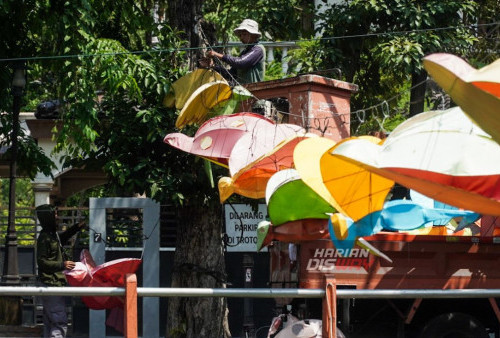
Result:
[[215, 138], [257, 144], [110, 274]]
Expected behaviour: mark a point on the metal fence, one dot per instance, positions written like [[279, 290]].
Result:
[[131, 296], [26, 223], [248, 292], [124, 226]]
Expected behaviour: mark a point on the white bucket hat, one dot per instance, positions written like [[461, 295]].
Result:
[[248, 25]]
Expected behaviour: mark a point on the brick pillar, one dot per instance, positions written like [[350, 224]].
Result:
[[319, 104]]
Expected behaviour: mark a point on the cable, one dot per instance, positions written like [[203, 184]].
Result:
[[406, 32], [240, 239], [172, 50]]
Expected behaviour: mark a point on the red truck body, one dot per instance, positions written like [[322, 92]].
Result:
[[418, 262], [435, 262]]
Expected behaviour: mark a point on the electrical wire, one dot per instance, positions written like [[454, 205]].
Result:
[[172, 50]]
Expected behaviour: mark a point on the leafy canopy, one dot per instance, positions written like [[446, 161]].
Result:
[[386, 41], [113, 118]]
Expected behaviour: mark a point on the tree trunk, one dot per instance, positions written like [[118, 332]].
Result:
[[198, 263], [417, 94], [185, 15], [199, 254], [307, 18]]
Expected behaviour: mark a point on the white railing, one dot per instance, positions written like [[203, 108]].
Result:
[[284, 46]]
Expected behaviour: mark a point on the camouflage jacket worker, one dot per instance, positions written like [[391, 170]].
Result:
[[50, 256], [50, 252]]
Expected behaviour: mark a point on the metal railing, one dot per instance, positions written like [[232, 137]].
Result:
[[26, 224], [131, 292], [246, 292]]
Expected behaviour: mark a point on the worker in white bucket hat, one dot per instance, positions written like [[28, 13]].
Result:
[[249, 26], [249, 65]]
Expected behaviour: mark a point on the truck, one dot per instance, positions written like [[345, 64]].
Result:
[[416, 262]]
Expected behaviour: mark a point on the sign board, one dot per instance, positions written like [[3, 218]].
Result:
[[241, 226]]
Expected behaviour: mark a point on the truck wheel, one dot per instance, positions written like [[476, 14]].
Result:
[[454, 325]]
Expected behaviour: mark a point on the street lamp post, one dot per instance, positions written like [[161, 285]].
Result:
[[11, 264]]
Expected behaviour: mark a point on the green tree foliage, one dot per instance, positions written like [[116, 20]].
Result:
[[387, 41], [379, 45], [307, 58], [278, 19], [396, 33], [24, 191], [120, 127], [113, 118], [24, 212], [15, 24], [403, 33], [485, 51]]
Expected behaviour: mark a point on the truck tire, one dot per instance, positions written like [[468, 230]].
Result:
[[454, 325]]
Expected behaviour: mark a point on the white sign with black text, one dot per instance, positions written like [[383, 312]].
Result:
[[241, 226]]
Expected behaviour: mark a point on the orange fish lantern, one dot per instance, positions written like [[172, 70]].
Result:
[[476, 91], [257, 156], [440, 154]]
